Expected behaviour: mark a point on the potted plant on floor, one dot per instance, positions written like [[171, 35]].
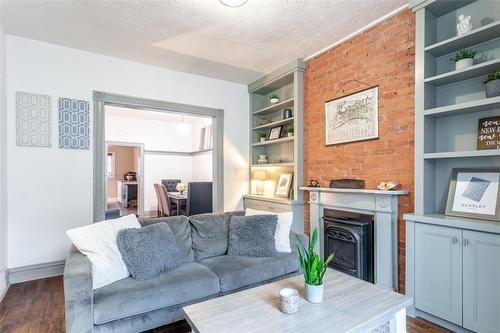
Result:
[[464, 58], [289, 131], [314, 269], [262, 136], [274, 99], [492, 84]]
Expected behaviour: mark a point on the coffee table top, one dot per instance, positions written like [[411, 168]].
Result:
[[349, 305]]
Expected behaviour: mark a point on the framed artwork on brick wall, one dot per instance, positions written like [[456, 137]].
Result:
[[352, 118]]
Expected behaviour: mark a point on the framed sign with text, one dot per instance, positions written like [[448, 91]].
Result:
[[488, 133]]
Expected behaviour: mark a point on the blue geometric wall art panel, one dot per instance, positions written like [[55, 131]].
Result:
[[33, 120], [74, 124]]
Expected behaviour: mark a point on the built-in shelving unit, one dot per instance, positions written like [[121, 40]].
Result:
[[449, 103], [285, 153]]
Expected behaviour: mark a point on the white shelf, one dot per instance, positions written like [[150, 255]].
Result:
[[275, 107], [466, 107], [268, 165], [274, 123], [463, 154], [476, 36], [464, 74], [273, 142]]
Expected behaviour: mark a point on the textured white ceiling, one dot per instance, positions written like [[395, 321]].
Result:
[[196, 36]]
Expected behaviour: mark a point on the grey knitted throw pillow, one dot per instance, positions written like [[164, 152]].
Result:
[[252, 236], [148, 251]]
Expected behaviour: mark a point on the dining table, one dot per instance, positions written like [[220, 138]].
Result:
[[180, 199]]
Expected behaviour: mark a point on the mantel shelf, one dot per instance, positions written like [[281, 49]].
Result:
[[275, 107], [273, 142], [274, 123], [463, 154], [466, 107], [476, 36], [353, 190], [464, 74]]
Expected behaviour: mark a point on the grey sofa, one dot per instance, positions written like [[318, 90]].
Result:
[[206, 272]]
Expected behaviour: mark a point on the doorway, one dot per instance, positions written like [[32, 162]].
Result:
[[124, 178], [102, 99]]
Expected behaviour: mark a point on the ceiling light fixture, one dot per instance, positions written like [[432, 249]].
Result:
[[233, 3]]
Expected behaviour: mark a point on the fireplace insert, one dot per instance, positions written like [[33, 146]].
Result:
[[350, 236]]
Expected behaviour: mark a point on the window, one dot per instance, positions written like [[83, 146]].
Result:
[[110, 165]]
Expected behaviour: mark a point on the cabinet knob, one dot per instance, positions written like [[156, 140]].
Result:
[[454, 240], [466, 242]]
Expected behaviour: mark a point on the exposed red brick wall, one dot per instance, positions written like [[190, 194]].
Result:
[[383, 55]]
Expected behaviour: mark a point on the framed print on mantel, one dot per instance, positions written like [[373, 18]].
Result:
[[474, 193], [352, 118]]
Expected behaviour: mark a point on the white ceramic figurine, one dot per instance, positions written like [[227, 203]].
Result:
[[464, 26]]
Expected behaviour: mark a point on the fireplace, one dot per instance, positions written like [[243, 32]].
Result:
[[350, 236]]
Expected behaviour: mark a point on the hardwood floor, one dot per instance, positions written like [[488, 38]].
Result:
[[38, 306]]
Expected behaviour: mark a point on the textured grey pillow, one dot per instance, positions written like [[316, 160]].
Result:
[[148, 251], [210, 233], [252, 236]]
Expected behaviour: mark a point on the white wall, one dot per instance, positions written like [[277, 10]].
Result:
[[50, 189], [3, 164]]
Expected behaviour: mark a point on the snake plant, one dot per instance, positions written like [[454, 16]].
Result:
[[313, 267]]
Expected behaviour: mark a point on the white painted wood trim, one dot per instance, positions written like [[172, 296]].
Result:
[[352, 190]]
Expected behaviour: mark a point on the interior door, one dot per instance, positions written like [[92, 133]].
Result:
[[438, 271], [481, 253]]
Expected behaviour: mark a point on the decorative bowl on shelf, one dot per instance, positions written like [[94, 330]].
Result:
[[386, 186]]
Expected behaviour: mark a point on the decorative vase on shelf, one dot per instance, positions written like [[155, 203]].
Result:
[[493, 88], [314, 294], [464, 26], [464, 63]]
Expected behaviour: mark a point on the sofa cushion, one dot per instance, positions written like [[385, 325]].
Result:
[[149, 250], [210, 233], [129, 297], [182, 232], [239, 272], [252, 236]]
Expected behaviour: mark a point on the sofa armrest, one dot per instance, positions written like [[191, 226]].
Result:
[[304, 240], [78, 294]]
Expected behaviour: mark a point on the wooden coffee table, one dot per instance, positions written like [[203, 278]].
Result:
[[349, 305]]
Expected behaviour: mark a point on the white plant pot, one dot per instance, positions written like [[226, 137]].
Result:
[[290, 134], [262, 139], [464, 63], [275, 100], [314, 294]]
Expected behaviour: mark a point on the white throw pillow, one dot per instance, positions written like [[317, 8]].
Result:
[[98, 242], [282, 234]]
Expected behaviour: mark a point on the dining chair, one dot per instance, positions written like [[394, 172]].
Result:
[[170, 184], [159, 211], [199, 198]]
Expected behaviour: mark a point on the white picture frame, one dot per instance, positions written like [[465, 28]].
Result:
[[475, 193], [283, 185], [352, 118]]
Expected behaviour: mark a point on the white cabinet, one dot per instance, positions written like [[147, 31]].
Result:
[[481, 281], [438, 273]]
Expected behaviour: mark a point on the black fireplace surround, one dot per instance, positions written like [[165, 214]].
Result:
[[350, 236]]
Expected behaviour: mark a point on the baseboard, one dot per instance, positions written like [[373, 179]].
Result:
[[4, 286], [35, 272], [441, 322]]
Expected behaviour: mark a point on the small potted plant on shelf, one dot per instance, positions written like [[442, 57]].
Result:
[[464, 58], [289, 131], [313, 268], [262, 136], [492, 84], [274, 99]]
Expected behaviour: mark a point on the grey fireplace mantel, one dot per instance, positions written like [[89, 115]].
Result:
[[383, 205]]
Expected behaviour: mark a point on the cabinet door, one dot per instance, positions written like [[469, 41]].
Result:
[[438, 271], [481, 281]]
